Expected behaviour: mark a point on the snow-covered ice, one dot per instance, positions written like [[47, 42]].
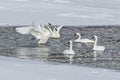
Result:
[[22, 69]]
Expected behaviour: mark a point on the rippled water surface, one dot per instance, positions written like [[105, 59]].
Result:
[[13, 44]]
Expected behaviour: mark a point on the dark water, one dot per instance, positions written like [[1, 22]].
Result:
[[13, 44]]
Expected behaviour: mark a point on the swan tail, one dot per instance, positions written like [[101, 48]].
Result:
[[23, 30]]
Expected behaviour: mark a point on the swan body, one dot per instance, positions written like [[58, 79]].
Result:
[[83, 40], [70, 51], [97, 47], [40, 32], [55, 32]]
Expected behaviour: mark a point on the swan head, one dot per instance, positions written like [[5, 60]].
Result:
[[77, 34], [55, 28], [49, 24], [94, 37], [46, 26], [69, 42]]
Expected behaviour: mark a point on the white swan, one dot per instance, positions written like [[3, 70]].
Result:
[[55, 32], [45, 34], [83, 40], [69, 51], [39, 32], [96, 47]]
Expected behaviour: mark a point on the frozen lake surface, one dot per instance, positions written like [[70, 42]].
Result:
[[19, 69], [13, 44]]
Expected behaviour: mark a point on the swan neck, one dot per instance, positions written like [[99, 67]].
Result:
[[95, 42], [71, 46], [54, 29], [46, 28], [79, 36]]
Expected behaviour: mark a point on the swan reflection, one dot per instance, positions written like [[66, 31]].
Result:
[[94, 56], [70, 57], [30, 52]]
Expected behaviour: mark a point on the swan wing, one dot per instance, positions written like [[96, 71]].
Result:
[[43, 40], [59, 28], [46, 28], [42, 34], [102, 48], [38, 28], [31, 30], [87, 40], [36, 34], [99, 48], [24, 30], [65, 52]]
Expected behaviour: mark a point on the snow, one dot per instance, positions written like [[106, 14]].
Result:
[[23, 69]]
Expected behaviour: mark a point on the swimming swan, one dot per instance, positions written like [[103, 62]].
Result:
[[83, 40], [96, 47], [39, 32], [55, 32], [70, 52]]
